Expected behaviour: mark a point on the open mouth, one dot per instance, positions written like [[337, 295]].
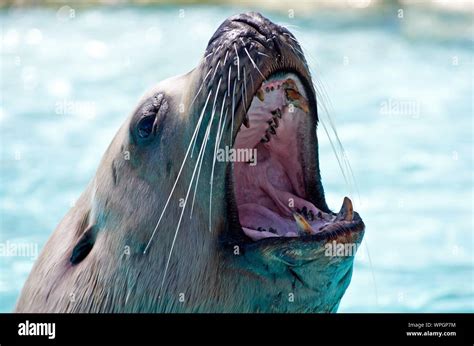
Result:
[[275, 194], [271, 188]]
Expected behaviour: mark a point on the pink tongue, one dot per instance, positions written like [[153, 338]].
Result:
[[257, 235], [254, 216]]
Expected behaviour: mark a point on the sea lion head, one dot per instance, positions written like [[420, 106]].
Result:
[[210, 196]]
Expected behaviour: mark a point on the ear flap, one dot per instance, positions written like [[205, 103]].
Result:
[[84, 245]]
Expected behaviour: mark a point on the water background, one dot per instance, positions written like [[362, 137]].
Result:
[[400, 92]]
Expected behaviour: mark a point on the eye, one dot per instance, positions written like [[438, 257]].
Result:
[[149, 116], [145, 126]]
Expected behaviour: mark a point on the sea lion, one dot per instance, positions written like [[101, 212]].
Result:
[[166, 226]]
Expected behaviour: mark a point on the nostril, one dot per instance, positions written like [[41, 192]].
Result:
[[257, 22], [263, 26]]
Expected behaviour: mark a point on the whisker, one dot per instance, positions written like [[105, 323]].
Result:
[[335, 151], [339, 152], [294, 48], [233, 110], [228, 79], [202, 157], [198, 126], [251, 80], [225, 58], [199, 162], [194, 140], [291, 47], [351, 183], [298, 50], [219, 134], [184, 207], [261, 53], [215, 71], [289, 26], [223, 125], [254, 65], [290, 37], [211, 182], [238, 62], [245, 88], [207, 134], [200, 88], [343, 154]]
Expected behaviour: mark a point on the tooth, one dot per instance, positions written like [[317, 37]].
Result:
[[265, 138], [271, 129], [246, 121], [276, 121], [260, 94], [304, 105], [276, 112], [292, 94], [304, 211], [297, 99], [290, 84], [347, 211], [303, 226]]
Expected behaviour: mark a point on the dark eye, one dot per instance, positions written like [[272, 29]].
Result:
[[148, 119], [145, 126]]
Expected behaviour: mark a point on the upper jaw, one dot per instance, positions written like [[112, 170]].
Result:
[[246, 43]]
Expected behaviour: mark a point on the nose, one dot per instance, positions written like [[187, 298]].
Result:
[[256, 21], [253, 26], [263, 26]]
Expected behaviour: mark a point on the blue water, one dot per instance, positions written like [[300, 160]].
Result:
[[67, 84]]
